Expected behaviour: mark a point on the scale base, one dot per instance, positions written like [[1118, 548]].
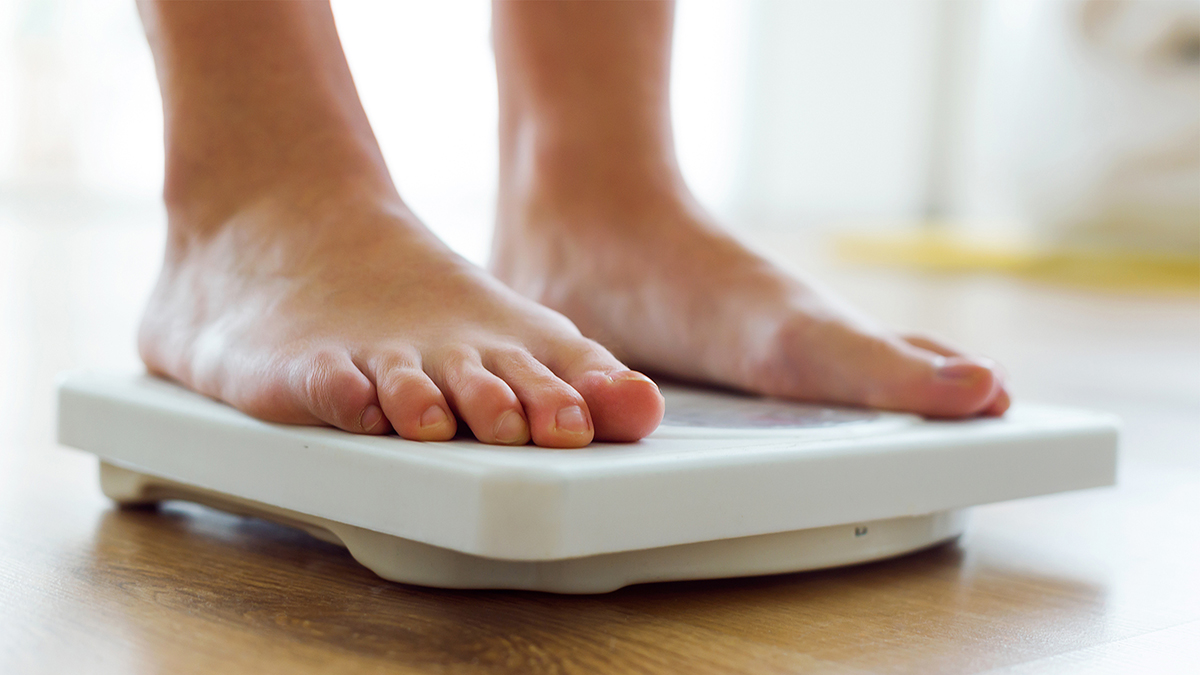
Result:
[[412, 562]]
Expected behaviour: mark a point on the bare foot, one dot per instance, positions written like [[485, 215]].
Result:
[[299, 288], [639, 266], [595, 221], [342, 309]]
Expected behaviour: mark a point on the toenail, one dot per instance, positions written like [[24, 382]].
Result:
[[571, 419], [370, 417], [960, 372], [434, 417], [510, 428], [630, 376]]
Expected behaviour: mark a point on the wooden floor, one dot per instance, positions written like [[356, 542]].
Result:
[[1097, 581]]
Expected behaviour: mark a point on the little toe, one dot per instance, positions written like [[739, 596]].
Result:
[[482, 400], [413, 403], [558, 416]]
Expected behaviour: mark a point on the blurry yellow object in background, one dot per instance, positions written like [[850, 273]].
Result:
[[939, 250]]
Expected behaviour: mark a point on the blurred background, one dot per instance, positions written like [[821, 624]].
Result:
[[1041, 156], [1052, 120]]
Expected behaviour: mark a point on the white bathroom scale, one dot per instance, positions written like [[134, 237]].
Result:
[[729, 485]]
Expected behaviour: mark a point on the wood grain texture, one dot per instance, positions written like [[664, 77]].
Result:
[[1095, 581]]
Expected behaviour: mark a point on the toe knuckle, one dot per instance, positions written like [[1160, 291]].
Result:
[[457, 352], [395, 361], [490, 392], [405, 384], [593, 355], [332, 387], [488, 387], [512, 356]]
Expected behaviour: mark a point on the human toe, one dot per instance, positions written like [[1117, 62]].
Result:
[[321, 387], [1001, 399], [883, 371], [558, 416], [947, 387], [626, 405], [482, 400], [413, 403]]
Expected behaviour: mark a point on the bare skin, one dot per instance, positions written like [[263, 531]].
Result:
[[298, 287], [596, 222]]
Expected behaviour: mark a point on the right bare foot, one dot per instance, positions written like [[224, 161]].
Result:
[[343, 309]]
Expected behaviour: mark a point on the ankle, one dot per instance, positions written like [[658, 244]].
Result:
[[211, 181], [553, 163]]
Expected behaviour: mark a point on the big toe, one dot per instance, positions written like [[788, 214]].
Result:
[[625, 405], [1000, 402], [934, 385]]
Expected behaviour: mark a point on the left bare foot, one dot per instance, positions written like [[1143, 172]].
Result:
[[639, 266]]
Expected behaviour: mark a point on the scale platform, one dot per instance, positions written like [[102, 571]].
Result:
[[729, 485]]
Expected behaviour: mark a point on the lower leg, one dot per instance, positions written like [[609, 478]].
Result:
[[298, 287], [250, 88], [584, 94], [595, 221]]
